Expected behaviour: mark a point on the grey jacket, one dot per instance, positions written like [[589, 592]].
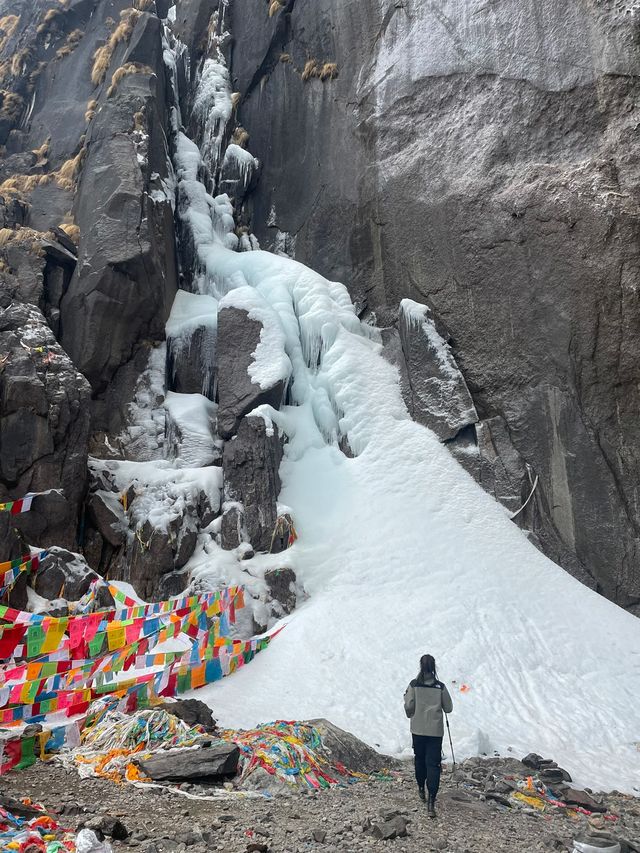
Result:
[[424, 704]]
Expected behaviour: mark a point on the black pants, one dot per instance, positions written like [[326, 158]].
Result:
[[428, 755]]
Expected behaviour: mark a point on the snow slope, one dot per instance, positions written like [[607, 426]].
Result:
[[403, 553]]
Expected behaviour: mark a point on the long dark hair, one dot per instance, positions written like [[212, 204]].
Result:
[[427, 668]]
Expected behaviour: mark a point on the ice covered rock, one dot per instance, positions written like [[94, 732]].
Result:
[[282, 587], [438, 394], [250, 466], [239, 168], [190, 427], [248, 377], [159, 510], [191, 344]]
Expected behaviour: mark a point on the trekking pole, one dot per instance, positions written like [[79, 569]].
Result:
[[451, 743]]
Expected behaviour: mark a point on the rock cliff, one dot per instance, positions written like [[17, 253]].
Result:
[[479, 158], [475, 159]]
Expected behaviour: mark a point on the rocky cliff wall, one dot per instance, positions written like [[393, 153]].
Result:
[[479, 157]]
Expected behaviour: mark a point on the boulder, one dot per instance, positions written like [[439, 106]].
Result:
[[218, 761], [438, 394], [344, 748], [63, 574], [281, 584], [192, 712], [238, 338], [250, 478], [574, 797]]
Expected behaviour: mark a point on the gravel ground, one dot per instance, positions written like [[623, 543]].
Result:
[[325, 821]]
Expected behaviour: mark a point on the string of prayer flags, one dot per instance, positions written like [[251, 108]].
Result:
[[19, 506], [24, 504]]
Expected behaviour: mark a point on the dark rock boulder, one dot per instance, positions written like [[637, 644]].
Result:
[[438, 394], [106, 514], [281, 584], [63, 574], [251, 480], [238, 338], [218, 761], [342, 747], [192, 712]]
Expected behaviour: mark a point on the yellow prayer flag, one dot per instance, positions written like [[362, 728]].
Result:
[[115, 636], [53, 637]]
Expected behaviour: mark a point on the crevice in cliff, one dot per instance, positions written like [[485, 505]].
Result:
[[281, 36]]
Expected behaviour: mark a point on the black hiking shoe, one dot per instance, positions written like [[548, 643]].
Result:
[[431, 807], [421, 793]]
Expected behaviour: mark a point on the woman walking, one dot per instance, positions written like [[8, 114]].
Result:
[[424, 701]]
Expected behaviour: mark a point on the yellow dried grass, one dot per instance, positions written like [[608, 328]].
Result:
[[73, 39], [19, 61], [329, 71], [103, 55], [91, 110], [124, 71], [12, 105], [310, 69], [240, 137], [274, 7], [71, 230], [66, 176], [42, 153], [8, 24]]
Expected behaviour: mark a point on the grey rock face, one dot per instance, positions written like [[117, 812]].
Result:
[[499, 185], [250, 466], [238, 338], [281, 584], [126, 276], [44, 425]]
